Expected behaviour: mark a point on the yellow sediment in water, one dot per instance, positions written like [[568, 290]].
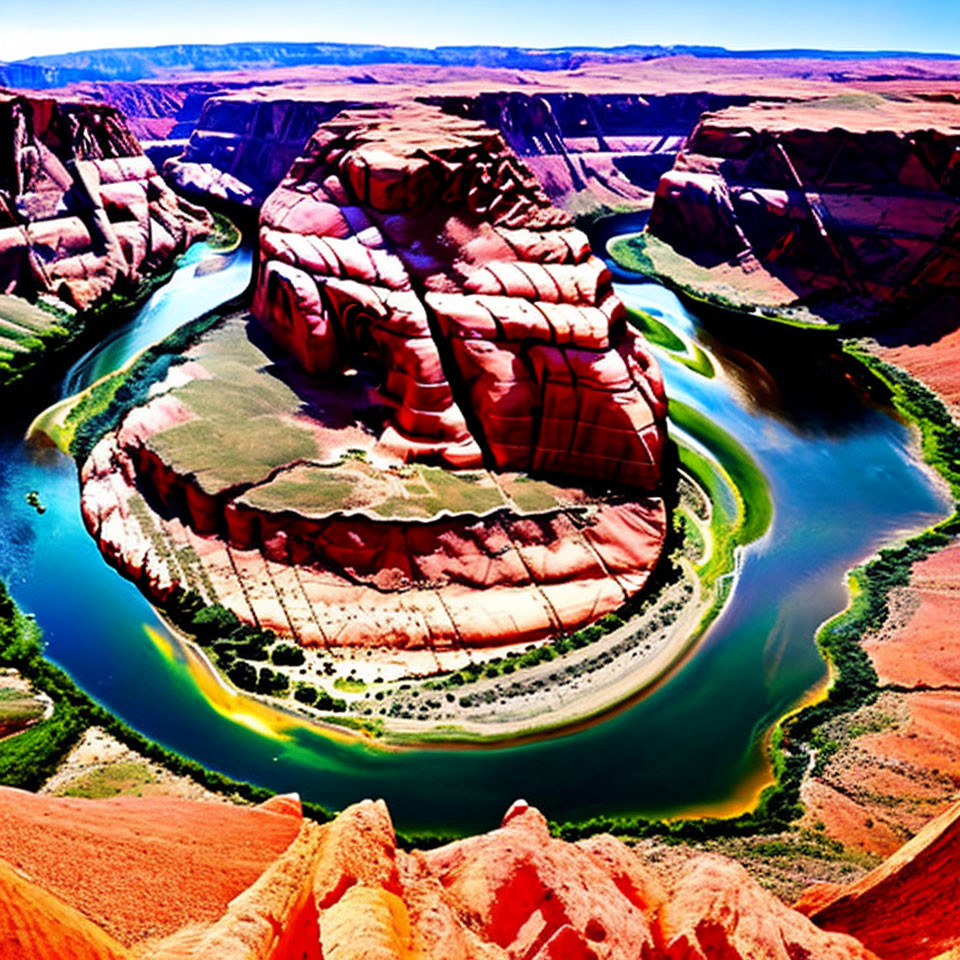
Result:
[[241, 708]]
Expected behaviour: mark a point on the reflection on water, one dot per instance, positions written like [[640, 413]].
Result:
[[842, 482]]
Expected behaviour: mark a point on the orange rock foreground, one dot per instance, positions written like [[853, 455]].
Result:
[[165, 879]]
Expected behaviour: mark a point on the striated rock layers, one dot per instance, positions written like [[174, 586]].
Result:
[[848, 207], [424, 243], [82, 210], [242, 145], [909, 907], [592, 148], [395, 508], [344, 891]]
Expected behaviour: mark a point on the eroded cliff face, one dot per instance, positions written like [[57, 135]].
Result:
[[590, 149], [243, 145], [82, 210], [490, 476], [344, 891], [587, 149], [848, 207]]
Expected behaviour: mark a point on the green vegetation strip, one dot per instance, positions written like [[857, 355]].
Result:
[[636, 253], [752, 489], [692, 357], [855, 682], [29, 759]]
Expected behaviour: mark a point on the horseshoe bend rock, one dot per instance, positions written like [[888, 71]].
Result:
[[845, 207], [449, 438], [82, 210], [422, 241]]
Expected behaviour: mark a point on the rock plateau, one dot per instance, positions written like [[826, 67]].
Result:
[[426, 501]]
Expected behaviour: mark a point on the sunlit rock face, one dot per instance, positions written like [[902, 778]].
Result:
[[909, 906], [849, 206], [492, 474], [423, 242], [82, 210], [345, 890]]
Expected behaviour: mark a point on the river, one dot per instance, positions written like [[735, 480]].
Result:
[[843, 483]]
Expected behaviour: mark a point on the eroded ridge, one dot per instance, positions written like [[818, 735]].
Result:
[[81, 208], [344, 890], [395, 506]]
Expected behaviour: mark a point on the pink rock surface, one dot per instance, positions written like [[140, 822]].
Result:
[[84, 210]]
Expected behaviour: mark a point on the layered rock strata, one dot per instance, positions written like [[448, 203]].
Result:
[[242, 146], [849, 206], [593, 148], [344, 891], [423, 243], [491, 346], [82, 210]]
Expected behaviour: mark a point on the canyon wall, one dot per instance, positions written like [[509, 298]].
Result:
[[603, 148], [848, 206], [586, 149], [242, 145], [82, 210]]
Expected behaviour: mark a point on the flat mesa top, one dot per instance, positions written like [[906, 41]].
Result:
[[853, 112], [249, 421]]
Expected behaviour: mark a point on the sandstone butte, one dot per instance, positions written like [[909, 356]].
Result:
[[418, 247], [82, 210], [846, 207], [165, 879]]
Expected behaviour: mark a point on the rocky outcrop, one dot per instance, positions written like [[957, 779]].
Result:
[[907, 908], [344, 891], [242, 145], [425, 244], [82, 210], [420, 251], [849, 207]]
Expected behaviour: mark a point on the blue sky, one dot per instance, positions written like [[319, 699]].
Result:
[[32, 27]]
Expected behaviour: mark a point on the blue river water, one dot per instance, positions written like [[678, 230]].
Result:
[[843, 482]]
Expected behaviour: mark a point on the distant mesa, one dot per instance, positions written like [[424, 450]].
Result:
[[835, 210], [450, 437]]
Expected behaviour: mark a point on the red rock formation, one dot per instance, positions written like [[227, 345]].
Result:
[[344, 891], [423, 241], [848, 206], [140, 867], [82, 210], [418, 244], [36, 924], [909, 907], [242, 145]]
